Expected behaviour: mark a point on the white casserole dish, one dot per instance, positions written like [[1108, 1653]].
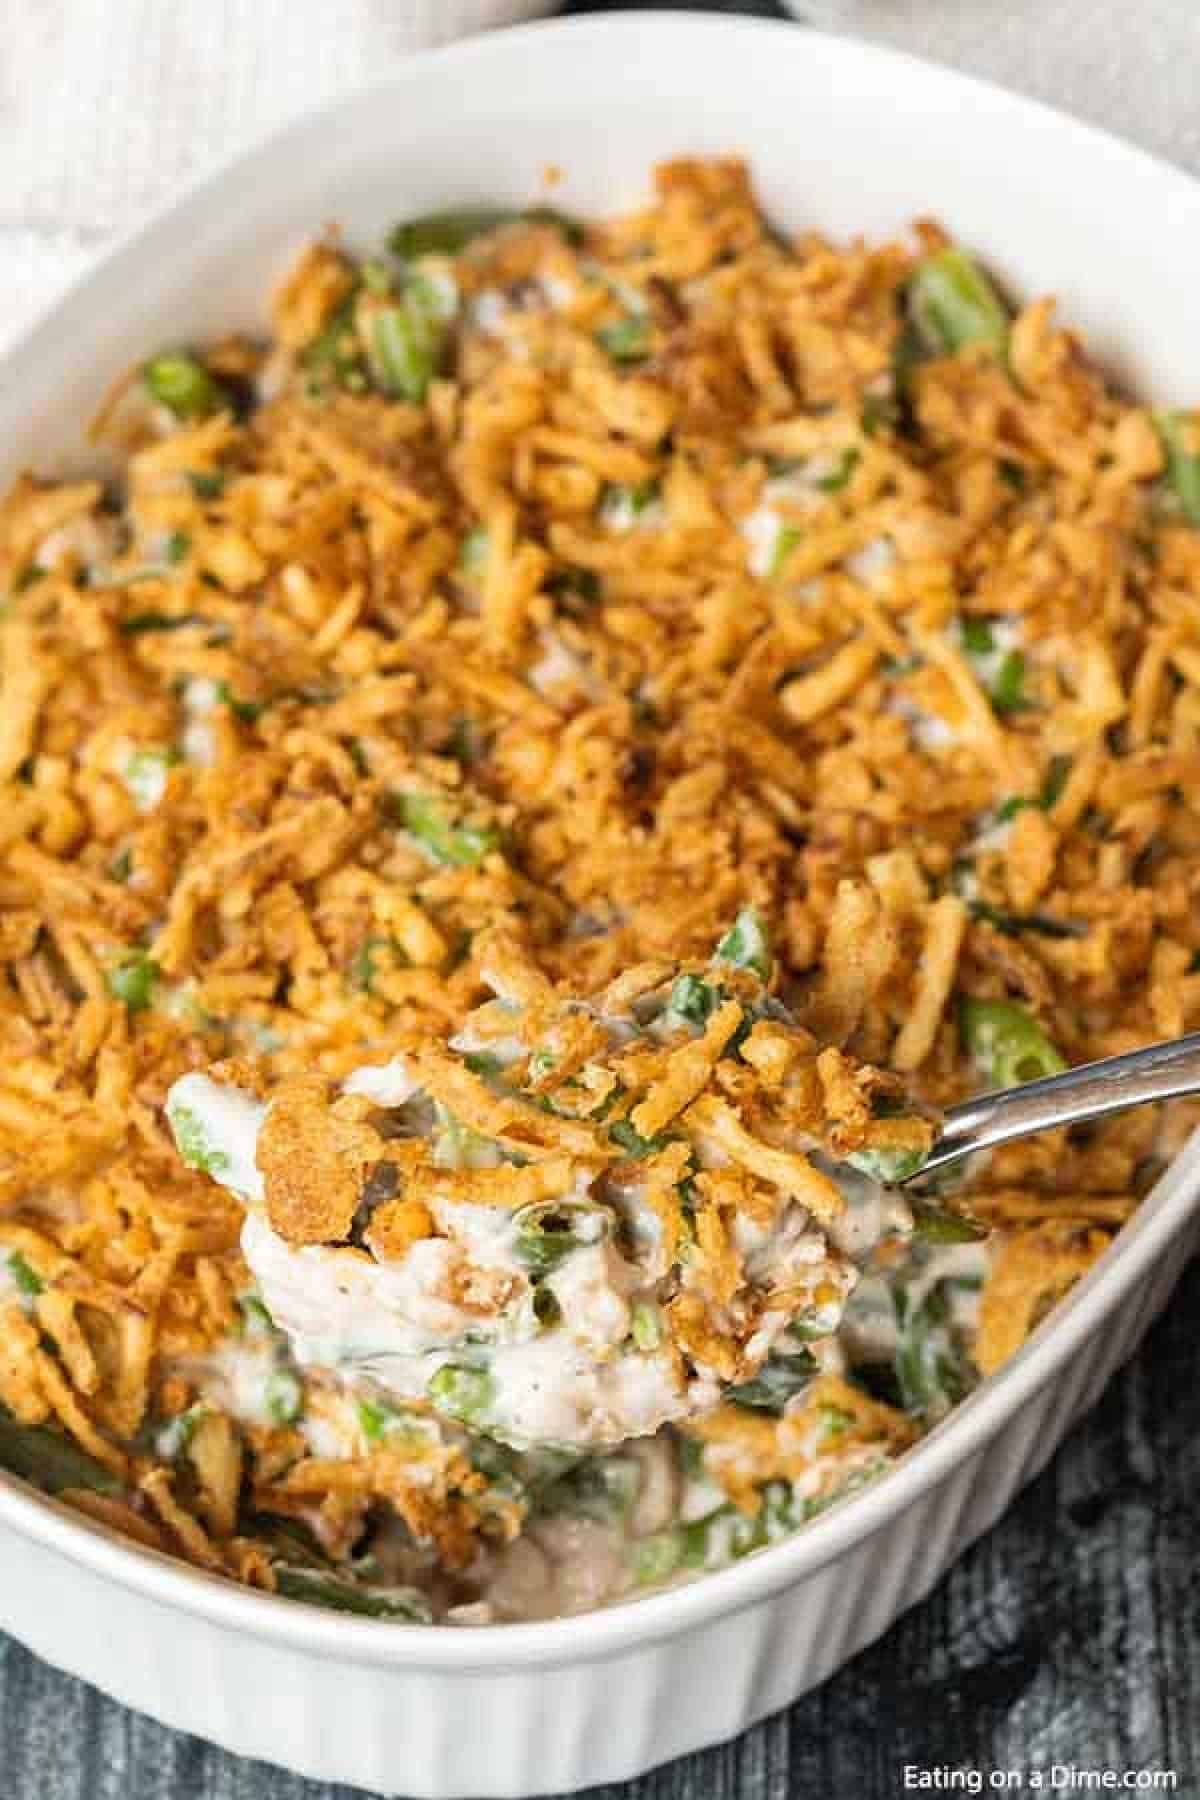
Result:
[[848, 139]]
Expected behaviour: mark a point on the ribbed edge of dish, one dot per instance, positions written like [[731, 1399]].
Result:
[[611, 1634]]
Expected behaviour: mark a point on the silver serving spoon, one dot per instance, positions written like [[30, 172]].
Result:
[[1159, 1072]]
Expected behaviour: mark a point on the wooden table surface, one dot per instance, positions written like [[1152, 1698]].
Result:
[[1069, 1637]]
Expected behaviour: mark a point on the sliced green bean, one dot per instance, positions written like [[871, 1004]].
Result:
[[191, 1140], [889, 1167], [140, 624], [604, 1488], [335, 354], [31, 573], [460, 845], [183, 385], [693, 999], [1008, 684], [404, 351], [786, 539], [336, 1595], [839, 476], [464, 1393], [133, 980], [26, 1279], [256, 1320], [782, 1376], [626, 340], [627, 1137], [932, 1368], [977, 636], [747, 944], [1180, 435], [473, 553], [50, 1459], [646, 1326], [953, 304], [284, 1396], [447, 232], [1007, 1043], [549, 1230], [939, 1225]]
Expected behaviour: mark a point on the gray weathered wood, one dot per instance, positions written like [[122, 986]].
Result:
[[1070, 1635]]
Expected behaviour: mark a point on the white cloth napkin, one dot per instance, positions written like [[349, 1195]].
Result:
[[1129, 65], [106, 106]]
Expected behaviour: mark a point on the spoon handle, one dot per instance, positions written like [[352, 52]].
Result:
[[1159, 1072]]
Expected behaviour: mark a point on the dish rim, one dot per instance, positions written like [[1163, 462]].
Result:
[[628, 1624]]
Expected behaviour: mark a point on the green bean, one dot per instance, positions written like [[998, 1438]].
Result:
[[173, 1438], [336, 353], [379, 1420], [693, 999], [139, 624], [50, 1459], [783, 1375], [545, 1306], [835, 1423], [638, 497], [465, 1394], [456, 1146], [977, 637], [178, 545], [459, 846], [405, 347], [747, 945], [284, 1396], [473, 552], [246, 710], [880, 412], [26, 1279], [376, 276], [626, 340], [1180, 435], [31, 573], [625, 1134], [256, 1320], [889, 1167], [939, 1225], [1013, 924], [191, 1141], [446, 233], [1008, 684], [839, 476], [207, 484], [482, 1062], [318, 1589], [786, 539], [604, 1488], [146, 770], [953, 304], [646, 1326], [365, 963], [932, 1370], [133, 980], [183, 385], [656, 1558], [549, 1230], [1007, 1043]]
